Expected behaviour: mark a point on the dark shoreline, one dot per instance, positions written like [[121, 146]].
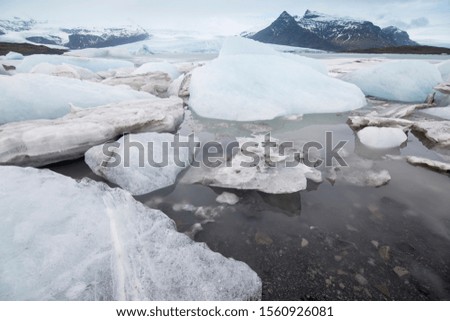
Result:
[[28, 49], [415, 50]]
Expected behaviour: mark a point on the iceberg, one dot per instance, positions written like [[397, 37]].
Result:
[[36, 96], [14, 56], [148, 162], [152, 67], [42, 142], [382, 138], [444, 69], [405, 80], [66, 240], [93, 64], [245, 87]]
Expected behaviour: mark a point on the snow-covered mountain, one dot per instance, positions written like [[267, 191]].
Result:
[[18, 30], [322, 31], [16, 24]]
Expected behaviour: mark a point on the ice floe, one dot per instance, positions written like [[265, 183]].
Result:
[[227, 198], [437, 132], [382, 138], [435, 165], [41, 142], [68, 240], [441, 112], [261, 171], [145, 162]]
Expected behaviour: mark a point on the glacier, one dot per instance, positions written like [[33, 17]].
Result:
[[139, 177], [37, 96], [43, 142], [97, 243], [407, 80], [246, 87]]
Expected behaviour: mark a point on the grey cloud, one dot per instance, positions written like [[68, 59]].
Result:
[[419, 22]]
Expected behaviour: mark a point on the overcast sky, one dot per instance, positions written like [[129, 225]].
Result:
[[427, 21]]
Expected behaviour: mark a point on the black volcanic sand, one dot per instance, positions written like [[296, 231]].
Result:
[[330, 242]]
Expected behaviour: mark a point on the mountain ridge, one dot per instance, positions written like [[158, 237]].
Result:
[[322, 31], [73, 38]]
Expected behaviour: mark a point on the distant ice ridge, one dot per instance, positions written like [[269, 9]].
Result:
[[43, 142], [405, 80], [250, 81], [66, 240], [93, 64], [141, 175], [37, 96]]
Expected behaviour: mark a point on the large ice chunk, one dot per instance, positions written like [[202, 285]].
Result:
[[152, 67], [35, 96], [41, 142], [140, 163], [67, 240], [382, 138], [404, 80], [245, 87], [93, 64]]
